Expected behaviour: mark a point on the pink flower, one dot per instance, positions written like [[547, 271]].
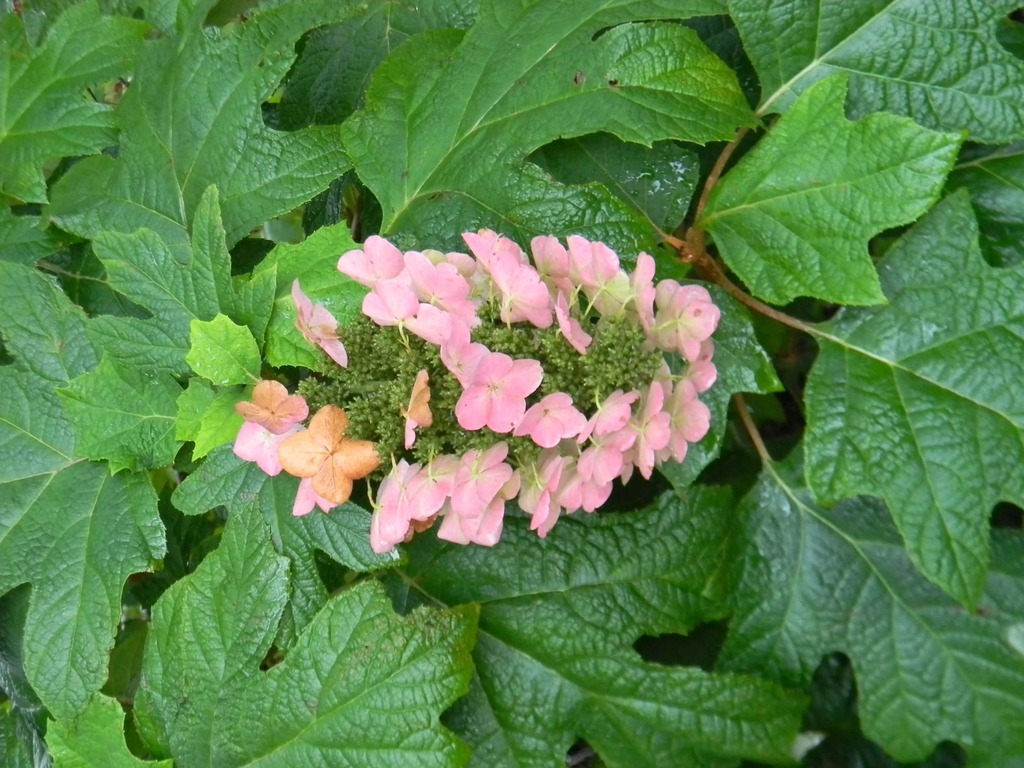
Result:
[[552, 262], [307, 498], [611, 416], [318, 326], [576, 493], [442, 286], [570, 326], [689, 420], [391, 302], [652, 430], [431, 324], [459, 355], [702, 371], [479, 478], [484, 529], [641, 284], [523, 296], [432, 485], [602, 462], [686, 317], [538, 490], [551, 420], [494, 253], [389, 524], [378, 260], [496, 395], [595, 266], [254, 443]]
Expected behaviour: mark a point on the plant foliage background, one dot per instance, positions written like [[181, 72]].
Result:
[[835, 575]]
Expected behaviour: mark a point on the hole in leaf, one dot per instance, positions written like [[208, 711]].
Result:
[[1007, 515], [699, 648], [581, 755]]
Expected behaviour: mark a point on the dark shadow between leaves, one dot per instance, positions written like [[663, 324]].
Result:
[[699, 648]]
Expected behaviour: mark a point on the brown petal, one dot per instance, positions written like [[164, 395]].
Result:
[[419, 401], [356, 458], [332, 484], [269, 394], [252, 412], [330, 422], [304, 454]]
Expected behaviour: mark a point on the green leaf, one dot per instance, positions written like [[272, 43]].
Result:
[[176, 288], [937, 61], [20, 744], [254, 302], [220, 423], [68, 527], [123, 415], [557, 622], [743, 366], [223, 352], [84, 279], [467, 121], [192, 405], [343, 534], [192, 119], [359, 681], [657, 182], [814, 581], [96, 740], [314, 263], [47, 113], [918, 402], [794, 216], [327, 82], [995, 178], [22, 240]]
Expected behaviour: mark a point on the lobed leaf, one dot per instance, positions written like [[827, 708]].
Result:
[[937, 61], [343, 534], [814, 581], [22, 240], [360, 684], [917, 402], [467, 108], [995, 178], [95, 740], [794, 216], [192, 119], [223, 352], [557, 619], [68, 527], [123, 415], [46, 113]]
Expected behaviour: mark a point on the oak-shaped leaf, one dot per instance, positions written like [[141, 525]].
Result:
[[67, 526], [47, 113], [937, 61], [343, 534], [813, 581], [95, 740], [794, 217], [918, 402], [192, 118], [995, 178], [176, 287], [468, 108], [558, 617], [359, 681], [330, 75]]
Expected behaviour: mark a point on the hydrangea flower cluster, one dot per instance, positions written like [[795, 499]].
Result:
[[473, 380]]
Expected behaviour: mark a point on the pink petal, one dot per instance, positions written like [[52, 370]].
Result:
[[431, 324], [303, 306], [336, 351], [570, 326], [523, 379], [473, 408]]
